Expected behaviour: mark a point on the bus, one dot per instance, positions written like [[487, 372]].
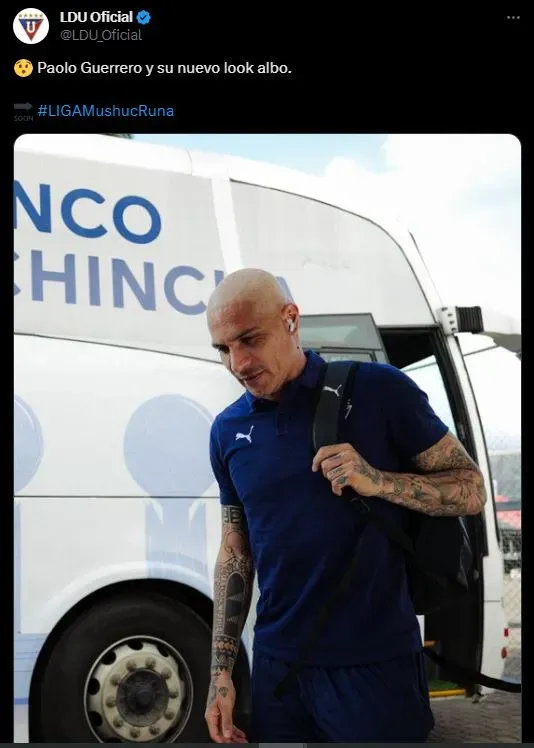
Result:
[[117, 247]]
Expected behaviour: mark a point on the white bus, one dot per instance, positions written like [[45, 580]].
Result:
[[117, 247]]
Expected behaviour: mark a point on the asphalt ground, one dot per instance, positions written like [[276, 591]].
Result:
[[494, 719]]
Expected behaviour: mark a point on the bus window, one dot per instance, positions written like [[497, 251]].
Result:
[[427, 376], [343, 336]]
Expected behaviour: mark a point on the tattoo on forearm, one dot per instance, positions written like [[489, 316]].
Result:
[[441, 494], [452, 484], [234, 574]]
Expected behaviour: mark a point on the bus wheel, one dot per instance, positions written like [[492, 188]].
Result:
[[130, 669]]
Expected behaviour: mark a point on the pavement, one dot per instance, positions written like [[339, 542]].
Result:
[[496, 718]]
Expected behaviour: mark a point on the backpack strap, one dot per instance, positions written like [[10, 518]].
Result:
[[461, 673], [332, 408], [332, 399], [333, 393]]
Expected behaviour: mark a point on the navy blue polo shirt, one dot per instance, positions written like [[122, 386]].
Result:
[[302, 535]]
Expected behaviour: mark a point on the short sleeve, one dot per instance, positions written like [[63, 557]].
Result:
[[227, 492], [413, 423]]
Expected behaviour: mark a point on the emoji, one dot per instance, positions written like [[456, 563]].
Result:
[[23, 68]]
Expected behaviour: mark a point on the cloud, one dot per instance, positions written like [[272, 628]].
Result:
[[460, 197]]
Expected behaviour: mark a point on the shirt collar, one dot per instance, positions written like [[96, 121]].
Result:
[[308, 378]]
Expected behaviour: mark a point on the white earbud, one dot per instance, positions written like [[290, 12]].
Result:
[[291, 326]]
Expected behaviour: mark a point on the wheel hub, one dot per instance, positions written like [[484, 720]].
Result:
[[142, 698], [135, 692]]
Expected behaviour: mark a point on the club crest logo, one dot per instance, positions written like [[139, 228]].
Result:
[[30, 26]]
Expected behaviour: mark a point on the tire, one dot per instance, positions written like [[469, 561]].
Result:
[[62, 693]]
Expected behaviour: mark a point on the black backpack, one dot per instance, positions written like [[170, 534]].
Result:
[[439, 555]]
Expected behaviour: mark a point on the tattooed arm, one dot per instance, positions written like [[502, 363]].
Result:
[[451, 486], [234, 576], [446, 481], [451, 483]]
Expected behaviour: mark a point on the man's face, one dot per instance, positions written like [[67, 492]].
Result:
[[255, 347]]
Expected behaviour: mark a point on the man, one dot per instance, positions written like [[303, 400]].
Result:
[[283, 515]]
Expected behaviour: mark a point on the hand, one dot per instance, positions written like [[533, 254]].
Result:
[[343, 466], [219, 712]]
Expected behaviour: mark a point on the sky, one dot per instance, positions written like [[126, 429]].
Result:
[[459, 195]]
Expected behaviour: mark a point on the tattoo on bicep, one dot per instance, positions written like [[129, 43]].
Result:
[[447, 454]]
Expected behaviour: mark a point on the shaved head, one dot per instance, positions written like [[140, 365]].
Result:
[[250, 286], [254, 326]]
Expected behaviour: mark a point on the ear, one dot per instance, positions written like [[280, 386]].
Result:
[[291, 312]]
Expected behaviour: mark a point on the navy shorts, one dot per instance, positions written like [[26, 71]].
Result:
[[382, 702]]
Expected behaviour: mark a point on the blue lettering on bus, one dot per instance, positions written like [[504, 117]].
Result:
[[94, 280], [40, 275], [118, 220], [170, 280], [66, 213], [121, 274], [16, 289], [285, 287], [42, 217], [146, 297]]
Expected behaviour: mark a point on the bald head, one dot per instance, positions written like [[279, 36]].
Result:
[[254, 326], [257, 289]]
